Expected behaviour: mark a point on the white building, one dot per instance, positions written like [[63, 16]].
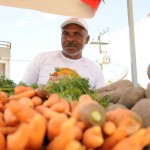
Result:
[[5, 55]]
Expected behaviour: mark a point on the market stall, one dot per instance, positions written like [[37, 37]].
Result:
[[113, 117]]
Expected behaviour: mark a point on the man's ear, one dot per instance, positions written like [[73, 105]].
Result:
[[87, 39]]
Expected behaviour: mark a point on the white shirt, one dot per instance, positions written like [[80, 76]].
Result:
[[45, 63]]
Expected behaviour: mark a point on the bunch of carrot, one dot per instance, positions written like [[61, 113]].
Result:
[[29, 123]]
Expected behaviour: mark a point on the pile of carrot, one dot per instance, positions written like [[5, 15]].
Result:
[[27, 122]]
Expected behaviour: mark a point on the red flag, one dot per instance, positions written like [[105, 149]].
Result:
[[93, 3]]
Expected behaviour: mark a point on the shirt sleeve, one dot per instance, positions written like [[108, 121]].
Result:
[[100, 82], [32, 72]]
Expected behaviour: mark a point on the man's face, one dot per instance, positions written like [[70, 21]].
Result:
[[73, 40]]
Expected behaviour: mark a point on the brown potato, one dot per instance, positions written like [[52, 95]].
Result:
[[114, 95], [131, 96], [115, 90], [148, 91], [142, 108], [112, 106], [116, 85]]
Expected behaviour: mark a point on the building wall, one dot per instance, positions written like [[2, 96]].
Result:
[[5, 58], [2, 69]]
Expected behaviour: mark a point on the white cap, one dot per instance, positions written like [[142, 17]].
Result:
[[80, 22]]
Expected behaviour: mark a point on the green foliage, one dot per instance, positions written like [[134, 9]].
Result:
[[7, 85], [69, 88], [66, 87], [73, 88], [5, 82], [104, 101]]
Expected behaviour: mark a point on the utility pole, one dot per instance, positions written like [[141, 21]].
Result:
[[99, 43], [132, 43], [99, 39]]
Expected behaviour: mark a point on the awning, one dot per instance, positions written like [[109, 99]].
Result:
[[77, 8]]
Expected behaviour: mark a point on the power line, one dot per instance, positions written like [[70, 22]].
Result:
[[15, 59], [18, 60]]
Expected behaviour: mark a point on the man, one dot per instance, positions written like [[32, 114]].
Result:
[[73, 39]]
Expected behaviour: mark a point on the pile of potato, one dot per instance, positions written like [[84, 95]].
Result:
[[125, 95]]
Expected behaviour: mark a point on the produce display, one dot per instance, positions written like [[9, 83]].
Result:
[[115, 117]]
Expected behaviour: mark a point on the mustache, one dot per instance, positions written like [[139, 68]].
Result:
[[70, 44]]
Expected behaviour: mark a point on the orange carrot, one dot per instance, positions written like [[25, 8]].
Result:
[[36, 122], [38, 127], [67, 134], [136, 141], [9, 118], [85, 98], [2, 141], [66, 104], [58, 107], [3, 97], [52, 99], [80, 124], [26, 101], [54, 125], [82, 100], [89, 111], [19, 139], [46, 112], [109, 127], [22, 112], [29, 93], [110, 141], [2, 122], [75, 145], [21, 88], [126, 118], [36, 101], [1, 114], [73, 104], [76, 114], [41, 109], [93, 137], [1, 107], [61, 106], [78, 133], [146, 139], [8, 129]]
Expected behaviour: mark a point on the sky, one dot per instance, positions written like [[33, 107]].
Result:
[[31, 32]]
